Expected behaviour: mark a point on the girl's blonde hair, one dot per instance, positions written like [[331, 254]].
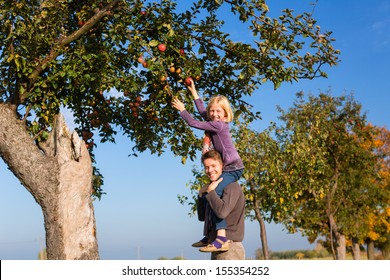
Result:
[[225, 105]]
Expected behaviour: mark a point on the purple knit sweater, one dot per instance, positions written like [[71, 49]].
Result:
[[220, 135]]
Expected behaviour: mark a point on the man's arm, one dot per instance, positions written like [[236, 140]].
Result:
[[201, 209], [223, 206], [201, 203]]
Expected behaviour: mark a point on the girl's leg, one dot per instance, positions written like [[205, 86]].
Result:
[[228, 178]]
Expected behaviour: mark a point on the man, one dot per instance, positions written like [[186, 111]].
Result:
[[231, 207]]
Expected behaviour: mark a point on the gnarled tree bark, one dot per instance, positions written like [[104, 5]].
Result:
[[58, 174]]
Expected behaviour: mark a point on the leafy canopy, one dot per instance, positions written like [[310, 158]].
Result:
[[105, 62]]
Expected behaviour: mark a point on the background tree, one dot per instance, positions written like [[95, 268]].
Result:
[[377, 222], [290, 175], [260, 153], [327, 172], [115, 65]]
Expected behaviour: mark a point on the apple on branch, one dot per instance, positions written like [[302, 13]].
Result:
[[140, 59], [162, 47], [188, 81]]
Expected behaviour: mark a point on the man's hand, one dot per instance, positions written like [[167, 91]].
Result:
[[176, 103], [214, 185]]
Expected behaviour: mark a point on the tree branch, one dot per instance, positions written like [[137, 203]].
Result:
[[64, 41]]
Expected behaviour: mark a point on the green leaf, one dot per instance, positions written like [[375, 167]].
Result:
[[154, 43]]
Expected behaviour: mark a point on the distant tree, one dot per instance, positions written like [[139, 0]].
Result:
[[299, 255], [115, 66], [175, 258], [259, 254], [326, 180], [260, 154], [378, 221], [42, 255]]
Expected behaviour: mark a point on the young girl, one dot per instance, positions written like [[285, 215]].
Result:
[[217, 115]]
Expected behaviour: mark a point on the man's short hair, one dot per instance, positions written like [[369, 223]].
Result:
[[213, 154]]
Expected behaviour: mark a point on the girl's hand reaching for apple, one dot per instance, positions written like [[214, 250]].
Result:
[[192, 89]]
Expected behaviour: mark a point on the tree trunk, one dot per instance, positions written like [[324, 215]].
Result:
[[263, 232], [341, 248], [370, 249], [355, 249], [59, 176], [337, 240], [385, 248], [386, 253]]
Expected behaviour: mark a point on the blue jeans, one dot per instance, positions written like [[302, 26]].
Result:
[[228, 178]]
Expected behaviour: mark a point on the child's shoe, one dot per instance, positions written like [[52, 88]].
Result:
[[220, 244], [202, 243]]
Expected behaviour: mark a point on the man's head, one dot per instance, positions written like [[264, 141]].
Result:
[[213, 165]]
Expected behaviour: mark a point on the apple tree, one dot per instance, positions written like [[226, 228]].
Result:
[[115, 65]]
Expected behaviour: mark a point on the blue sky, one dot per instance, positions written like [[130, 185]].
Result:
[[141, 218]]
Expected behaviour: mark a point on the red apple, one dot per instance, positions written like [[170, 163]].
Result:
[[181, 51], [140, 59], [188, 81], [162, 47]]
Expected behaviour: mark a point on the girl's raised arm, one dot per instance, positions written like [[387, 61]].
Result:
[[192, 89]]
